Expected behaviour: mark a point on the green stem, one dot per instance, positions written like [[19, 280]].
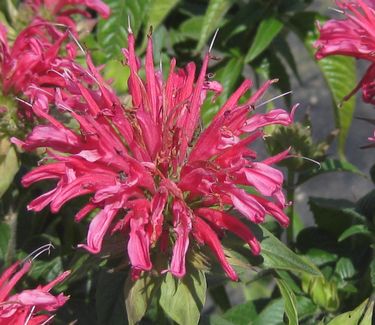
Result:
[[290, 212]]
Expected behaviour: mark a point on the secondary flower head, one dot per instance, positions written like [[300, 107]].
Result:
[[152, 174], [31, 307], [353, 36]]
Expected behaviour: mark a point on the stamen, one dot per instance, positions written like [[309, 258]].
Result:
[[39, 251], [77, 42], [129, 26], [213, 40], [337, 10], [305, 158], [23, 101], [47, 320], [29, 316], [272, 99]]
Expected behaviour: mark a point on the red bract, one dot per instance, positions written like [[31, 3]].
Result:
[[353, 36], [149, 170], [31, 307]]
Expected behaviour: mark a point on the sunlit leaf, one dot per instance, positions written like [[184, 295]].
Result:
[[182, 300], [268, 29], [9, 165]]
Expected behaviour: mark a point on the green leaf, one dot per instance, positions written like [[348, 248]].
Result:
[[338, 71], [278, 256], [328, 166], [272, 314], [268, 29], [355, 230], [112, 32], [241, 314], [289, 301], [4, 240], [110, 306], [119, 73], [354, 316], [138, 295], [345, 268], [158, 10], [212, 19], [372, 273], [333, 215], [182, 300], [305, 307], [9, 165], [192, 27]]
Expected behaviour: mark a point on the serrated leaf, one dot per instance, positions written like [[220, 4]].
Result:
[[182, 300], [328, 166], [352, 317], [9, 165], [278, 256], [338, 71], [289, 301], [212, 19], [112, 32], [138, 295], [268, 29], [333, 215], [355, 230], [110, 307]]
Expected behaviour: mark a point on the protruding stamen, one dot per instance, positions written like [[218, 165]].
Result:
[[213, 41], [77, 42], [42, 249], [272, 99], [29, 316], [305, 158], [129, 26], [23, 101], [337, 10]]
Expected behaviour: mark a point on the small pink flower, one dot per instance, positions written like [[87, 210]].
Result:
[[149, 171], [26, 307]]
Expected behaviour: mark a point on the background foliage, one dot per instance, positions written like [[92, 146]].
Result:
[[324, 274]]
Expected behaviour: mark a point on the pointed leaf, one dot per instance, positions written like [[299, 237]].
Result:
[[268, 29], [138, 295], [355, 230], [272, 314], [157, 12], [213, 17], [182, 300], [289, 301], [9, 165], [112, 32], [278, 256], [354, 316], [328, 166]]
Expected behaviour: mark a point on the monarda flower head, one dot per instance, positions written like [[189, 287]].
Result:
[[353, 36], [32, 306], [150, 172]]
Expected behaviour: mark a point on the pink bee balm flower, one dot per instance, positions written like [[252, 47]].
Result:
[[150, 172], [353, 36], [30, 307]]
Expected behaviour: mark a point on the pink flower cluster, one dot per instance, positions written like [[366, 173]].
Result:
[[353, 36], [151, 173], [30, 307], [35, 58]]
